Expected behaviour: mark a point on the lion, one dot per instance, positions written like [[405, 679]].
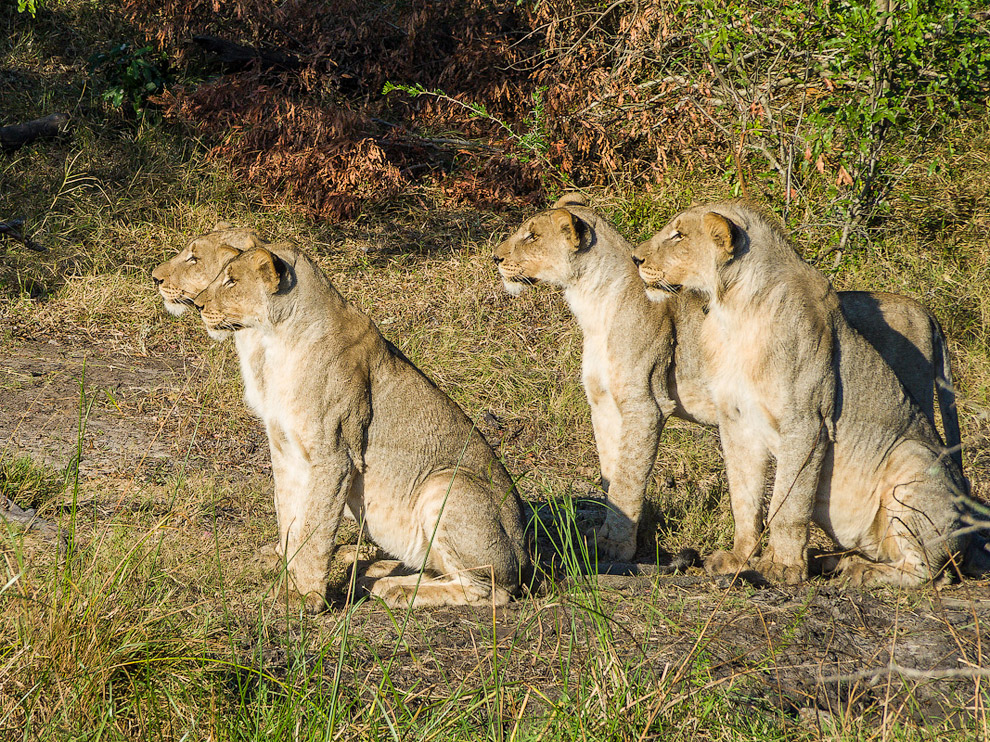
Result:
[[351, 421], [642, 362], [189, 272], [791, 378], [192, 269]]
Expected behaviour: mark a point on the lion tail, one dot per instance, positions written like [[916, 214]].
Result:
[[946, 393]]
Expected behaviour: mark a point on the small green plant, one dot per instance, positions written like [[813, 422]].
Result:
[[530, 145], [29, 483], [29, 6], [132, 75]]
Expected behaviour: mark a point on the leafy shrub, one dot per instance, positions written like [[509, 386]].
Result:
[[132, 74], [498, 103]]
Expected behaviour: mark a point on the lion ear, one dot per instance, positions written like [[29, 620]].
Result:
[[723, 233], [243, 240], [226, 253], [570, 199], [262, 262], [569, 226], [221, 226]]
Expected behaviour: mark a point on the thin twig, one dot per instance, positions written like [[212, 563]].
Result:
[[893, 668]]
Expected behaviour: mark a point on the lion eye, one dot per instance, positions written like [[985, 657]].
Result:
[[228, 281], [675, 236], [191, 259]]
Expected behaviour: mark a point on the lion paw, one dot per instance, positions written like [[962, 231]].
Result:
[[614, 547], [392, 595], [855, 573], [788, 574], [269, 558], [725, 563], [313, 602]]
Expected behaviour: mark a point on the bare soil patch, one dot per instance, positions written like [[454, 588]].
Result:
[[123, 414]]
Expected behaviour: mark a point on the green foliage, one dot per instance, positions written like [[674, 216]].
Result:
[[898, 74], [132, 75], [836, 88], [29, 6]]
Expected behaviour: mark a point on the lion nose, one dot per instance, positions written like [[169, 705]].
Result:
[[637, 260], [198, 304], [497, 258]]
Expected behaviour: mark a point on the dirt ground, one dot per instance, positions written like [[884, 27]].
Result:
[[814, 652]]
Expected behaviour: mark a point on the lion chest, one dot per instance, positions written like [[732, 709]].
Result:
[[251, 357], [600, 368], [740, 385], [281, 386], [596, 369]]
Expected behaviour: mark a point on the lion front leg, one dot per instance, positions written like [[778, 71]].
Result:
[[634, 449], [746, 459], [606, 424], [310, 499], [799, 467]]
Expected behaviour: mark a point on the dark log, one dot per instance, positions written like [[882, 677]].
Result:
[[12, 228], [16, 136], [239, 56]]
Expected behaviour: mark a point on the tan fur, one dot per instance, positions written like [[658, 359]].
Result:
[[642, 360], [791, 378], [186, 275], [180, 279], [352, 422]]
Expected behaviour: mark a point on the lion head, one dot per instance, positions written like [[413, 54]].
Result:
[[689, 252], [542, 249], [180, 279], [239, 295]]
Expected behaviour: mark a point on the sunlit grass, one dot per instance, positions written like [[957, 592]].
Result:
[[159, 625]]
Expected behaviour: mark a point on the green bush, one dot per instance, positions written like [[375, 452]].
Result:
[[132, 75], [835, 88]]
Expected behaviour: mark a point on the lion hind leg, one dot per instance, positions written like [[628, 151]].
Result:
[[469, 531], [419, 592], [908, 572], [907, 544], [915, 532]]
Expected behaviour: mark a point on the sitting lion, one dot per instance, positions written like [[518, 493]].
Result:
[[642, 360], [791, 378], [351, 421], [190, 271]]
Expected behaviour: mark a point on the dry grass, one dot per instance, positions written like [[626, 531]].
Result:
[[160, 624]]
